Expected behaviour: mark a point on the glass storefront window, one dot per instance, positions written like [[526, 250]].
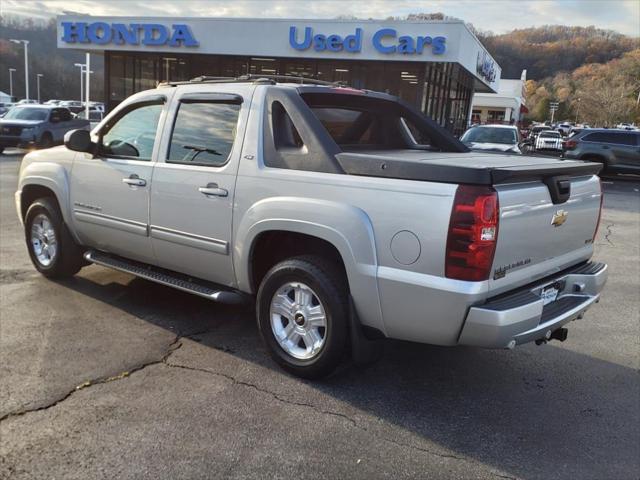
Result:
[[442, 90]]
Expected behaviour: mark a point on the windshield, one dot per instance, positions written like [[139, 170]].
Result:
[[549, 134], [490, 135], [27, 114]]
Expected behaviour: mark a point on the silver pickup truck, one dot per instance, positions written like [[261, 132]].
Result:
[[346, 215]]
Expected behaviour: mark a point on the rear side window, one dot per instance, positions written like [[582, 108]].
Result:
[[619, 138], [203, 133]]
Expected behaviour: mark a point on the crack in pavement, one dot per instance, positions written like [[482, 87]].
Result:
[[173, 346], [343, 416], [608, 235], [177, 344]]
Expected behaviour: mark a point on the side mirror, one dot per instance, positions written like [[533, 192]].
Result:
[[54, 119], [79, 141]]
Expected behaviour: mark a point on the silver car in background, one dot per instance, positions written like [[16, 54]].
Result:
[[496, 138]]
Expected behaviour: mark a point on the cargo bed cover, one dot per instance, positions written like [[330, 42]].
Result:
[[468, 168]]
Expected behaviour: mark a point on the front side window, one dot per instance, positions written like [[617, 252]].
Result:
[[133, 133], [203, 133]]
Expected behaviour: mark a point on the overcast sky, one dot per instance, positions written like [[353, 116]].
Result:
[[498, 16]]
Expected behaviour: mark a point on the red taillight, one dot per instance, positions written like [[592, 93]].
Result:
[[599, 211], [569, 144], [473, 233]]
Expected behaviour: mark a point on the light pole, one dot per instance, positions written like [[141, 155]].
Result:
[[11, 70], [81, 65], [577, 111], [38, 77], [167, 61], [83, 70], [26, 64]]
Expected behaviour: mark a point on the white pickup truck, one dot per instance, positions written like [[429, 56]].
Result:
[[346, 215]]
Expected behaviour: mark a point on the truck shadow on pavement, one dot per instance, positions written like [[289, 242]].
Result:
[[535, 412]]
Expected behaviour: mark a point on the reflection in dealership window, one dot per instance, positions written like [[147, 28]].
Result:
[[203, 133]]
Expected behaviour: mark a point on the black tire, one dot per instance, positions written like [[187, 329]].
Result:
[[1, 150], [68, 259], [46, 141], [331, 289]]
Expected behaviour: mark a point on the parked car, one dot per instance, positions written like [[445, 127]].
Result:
[[95, 116], [36, 126], [501, 138], [52, 102], [617, 150], [73, 105], [4, 108], [25, 101], [564, 128], [346, 215], [549, 140], [99, 106], [536, 129]]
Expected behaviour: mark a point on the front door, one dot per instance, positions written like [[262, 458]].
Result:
[[110, 191], [193, 185]]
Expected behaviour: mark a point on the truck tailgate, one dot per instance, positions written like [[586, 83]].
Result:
[[536, 237]]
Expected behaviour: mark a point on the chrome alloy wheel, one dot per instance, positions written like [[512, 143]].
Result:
[[43, 240], [298, 320]]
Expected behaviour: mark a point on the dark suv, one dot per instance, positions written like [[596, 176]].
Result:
[[618, 150]]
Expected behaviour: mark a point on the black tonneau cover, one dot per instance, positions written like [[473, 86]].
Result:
[[468, 168]]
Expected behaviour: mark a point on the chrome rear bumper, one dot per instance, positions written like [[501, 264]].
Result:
[[522, 317]]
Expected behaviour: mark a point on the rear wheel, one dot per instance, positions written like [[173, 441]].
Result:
[[302, 313], [52, 249]]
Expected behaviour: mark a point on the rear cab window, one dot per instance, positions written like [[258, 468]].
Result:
[[367, 123]]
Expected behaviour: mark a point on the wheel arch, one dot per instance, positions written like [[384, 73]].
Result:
[[329, 228], [46, 179]]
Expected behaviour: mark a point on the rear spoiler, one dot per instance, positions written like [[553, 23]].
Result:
[[379, 166]]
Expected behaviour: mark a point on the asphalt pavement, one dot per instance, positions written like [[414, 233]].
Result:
[[108, 376]]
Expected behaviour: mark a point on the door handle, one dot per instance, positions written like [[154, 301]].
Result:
[[134, 181], [605, 147], [212, 189]]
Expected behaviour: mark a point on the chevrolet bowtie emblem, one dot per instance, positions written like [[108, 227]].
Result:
[[559, 218]]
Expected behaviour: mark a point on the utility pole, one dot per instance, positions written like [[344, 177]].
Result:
[[87, 77], [553, 106], [38, 77], [26, 64], [11, 70], [82, 67]]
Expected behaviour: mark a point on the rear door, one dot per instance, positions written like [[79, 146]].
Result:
[[110, 191], [194, 182]]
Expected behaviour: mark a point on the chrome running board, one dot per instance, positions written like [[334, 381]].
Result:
[[177, 280]]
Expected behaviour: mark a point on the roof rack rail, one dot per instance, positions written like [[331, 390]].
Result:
[[256, 78]]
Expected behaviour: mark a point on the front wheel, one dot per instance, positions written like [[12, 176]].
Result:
[[52, 249], [302, 313]]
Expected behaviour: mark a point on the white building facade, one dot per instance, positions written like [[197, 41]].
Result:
[[507, 106], [436, 65]]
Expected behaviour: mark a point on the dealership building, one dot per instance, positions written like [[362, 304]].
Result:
[[436, 65]]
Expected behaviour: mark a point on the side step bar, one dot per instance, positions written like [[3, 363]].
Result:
[[177, 280]]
